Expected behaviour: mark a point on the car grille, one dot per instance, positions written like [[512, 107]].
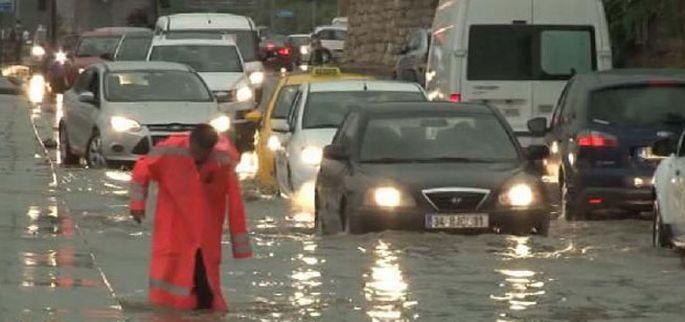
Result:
[[173, 127], [456, 200], [143, 146]]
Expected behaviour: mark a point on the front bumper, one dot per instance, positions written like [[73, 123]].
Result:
[[508, 221]]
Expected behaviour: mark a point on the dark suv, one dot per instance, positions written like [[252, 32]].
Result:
[[601, 135]]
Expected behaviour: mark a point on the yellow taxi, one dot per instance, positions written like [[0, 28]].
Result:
[[268, 137]]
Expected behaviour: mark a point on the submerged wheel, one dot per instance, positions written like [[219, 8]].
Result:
[[94, 154], [661, 234], [68, 158], [568, 206]]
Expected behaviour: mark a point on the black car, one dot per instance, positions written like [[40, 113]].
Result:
[[601, 135], [430, 166]]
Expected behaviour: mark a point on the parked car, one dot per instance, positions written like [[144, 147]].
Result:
[[194, 25], [515, 55], [134, 46], [268, 140], [117, 111], [332, 38], [219, 63], [411, 65], [96, 46], [433, 167], [669, 188], [318, 110], [601, 135]]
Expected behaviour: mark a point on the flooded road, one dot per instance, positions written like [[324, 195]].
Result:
[[587, 271]]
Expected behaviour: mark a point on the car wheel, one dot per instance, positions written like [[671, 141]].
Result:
[[542, 228], [94, 156], [68, 158], [568, 207], [661, 237], [350, 225], [318, 220]]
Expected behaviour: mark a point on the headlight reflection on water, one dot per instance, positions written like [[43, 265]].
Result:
[[522, 288], [36, 88], [386, 289]]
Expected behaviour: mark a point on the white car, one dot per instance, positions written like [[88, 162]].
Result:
[[118, 111], [318, 110], [332, 38], [669, 186]]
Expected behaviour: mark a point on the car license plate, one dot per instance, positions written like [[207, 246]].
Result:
[[457, 221]]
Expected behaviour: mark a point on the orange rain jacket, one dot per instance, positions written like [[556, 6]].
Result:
[[190, 216]]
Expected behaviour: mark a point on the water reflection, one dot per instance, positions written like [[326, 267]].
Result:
[[306, 280], [385, 290], [522, 288]]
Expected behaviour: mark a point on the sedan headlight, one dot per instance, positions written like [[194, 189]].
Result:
[[37, 51], [388, 197], [123, 124], [221, 123], [256, 78], [518, 195], [312, 155], [274, 143], [244, 94]]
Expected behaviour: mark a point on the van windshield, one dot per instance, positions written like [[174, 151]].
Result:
[[529, 52], [202, 58], [639, 105], [245, 39]]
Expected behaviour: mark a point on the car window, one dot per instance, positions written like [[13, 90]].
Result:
[[681, 146], [134, 48], [94, 85], [561, 105], [528, 52], [638, 105], [284, 101], [328, 109], [245, 39], [156, 86], [437, 137], [97, 46], [83, 81], [202, 58], [292, 115], [332, 34]]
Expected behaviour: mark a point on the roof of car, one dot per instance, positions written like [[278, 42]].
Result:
[[334, 27], [627, 76], [144, 65], [399, 108], [160, 41], [363, 85], [114, 31], [198, 21]]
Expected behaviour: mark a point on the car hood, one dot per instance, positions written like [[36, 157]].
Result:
[[222, 81], [165, 112], [419, 176], [318, 137]]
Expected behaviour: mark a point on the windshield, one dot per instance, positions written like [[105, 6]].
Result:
[[299, 41], [202, 58], [284, 102], [97, 46], [332, 34], [638, 105], [528, 52], [245, 39], [134, 48], [437, 138], [148, 86], [328, 109]]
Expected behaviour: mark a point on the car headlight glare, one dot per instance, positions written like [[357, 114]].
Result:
[[274, 143], [244, 94], [38, 51], [304, 50], [518, 195], [123, 124], [256, 78], [61, 57], [221, 123], [387, 197], [312, 155]]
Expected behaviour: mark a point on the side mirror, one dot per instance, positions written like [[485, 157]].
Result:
[[254, 116], [88, 97], [335, 152], [280, 126], [664, 147], [107, 56], [537, 152], [538, 126]]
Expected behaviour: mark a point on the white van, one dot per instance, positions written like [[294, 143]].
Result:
[[516, 55], [199, 25]]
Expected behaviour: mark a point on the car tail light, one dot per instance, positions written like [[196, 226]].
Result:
[[595, 201], [285, 51], [455, 97], [595, 139], [270, 46]]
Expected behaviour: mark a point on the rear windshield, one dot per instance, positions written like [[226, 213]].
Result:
[[97, 46], [638, 105], [284, 102], [245, 39], [525, 52], [134, 48], [299, 41], [437, 138], [328, 109], [332, 34], [202, 58]]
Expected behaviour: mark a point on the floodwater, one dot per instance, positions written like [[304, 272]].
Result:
[[598, 270]]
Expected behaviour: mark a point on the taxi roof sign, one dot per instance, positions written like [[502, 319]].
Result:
[[325, 71]]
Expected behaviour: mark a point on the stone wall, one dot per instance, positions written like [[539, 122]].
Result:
[[378, 29]]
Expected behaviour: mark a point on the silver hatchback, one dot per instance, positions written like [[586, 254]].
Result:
[[118, 111]]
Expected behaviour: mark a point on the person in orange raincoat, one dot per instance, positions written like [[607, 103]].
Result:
[[196, 179]]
